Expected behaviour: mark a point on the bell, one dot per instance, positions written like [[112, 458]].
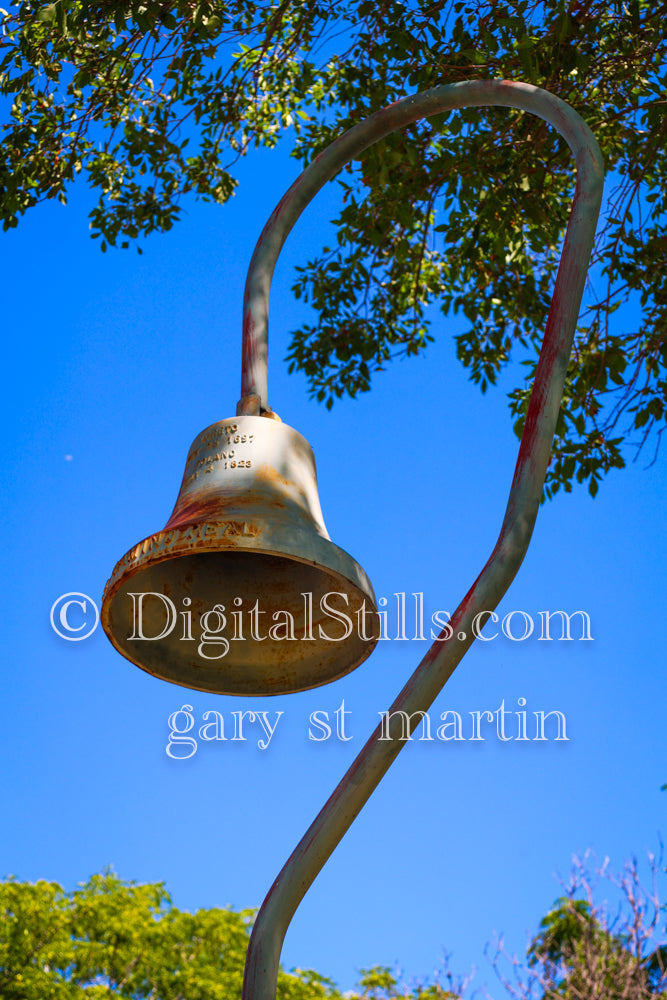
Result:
[[243, 592]]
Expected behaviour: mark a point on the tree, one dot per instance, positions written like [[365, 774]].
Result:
[[380, 983], [587, 951], [117, 938], [154, 100], [125, 940]]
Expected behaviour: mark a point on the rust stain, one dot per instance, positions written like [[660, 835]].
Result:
[[218, 508], [195, 511]]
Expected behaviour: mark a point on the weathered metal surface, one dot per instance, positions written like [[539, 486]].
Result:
[[437, 666], [246, 542]]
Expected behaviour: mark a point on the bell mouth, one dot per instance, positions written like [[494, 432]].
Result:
[[241, 622]]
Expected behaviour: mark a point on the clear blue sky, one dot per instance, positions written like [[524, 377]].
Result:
[[119, 361]]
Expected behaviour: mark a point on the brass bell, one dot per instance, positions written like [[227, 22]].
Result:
[[243, 592]]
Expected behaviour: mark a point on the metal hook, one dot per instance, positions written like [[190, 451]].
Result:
[[437, 666]]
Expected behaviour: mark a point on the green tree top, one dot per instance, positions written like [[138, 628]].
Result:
[[111, 937], [152, 101], [590, 949]]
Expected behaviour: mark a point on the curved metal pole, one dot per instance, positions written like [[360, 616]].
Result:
[[437, 666]]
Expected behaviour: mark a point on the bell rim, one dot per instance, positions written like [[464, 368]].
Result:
[[128, 564], [204, 545]]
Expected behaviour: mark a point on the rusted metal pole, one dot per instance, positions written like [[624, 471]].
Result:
[[437, 666]]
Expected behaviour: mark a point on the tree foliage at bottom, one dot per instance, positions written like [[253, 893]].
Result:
[[592, 949], [121, 939], [111, 938]]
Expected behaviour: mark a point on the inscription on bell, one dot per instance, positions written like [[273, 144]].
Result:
[[231, 456]]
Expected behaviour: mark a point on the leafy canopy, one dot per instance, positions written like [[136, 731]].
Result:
[[152, 101], [111, 938], [117, 938], [577, 954], [589, 949]]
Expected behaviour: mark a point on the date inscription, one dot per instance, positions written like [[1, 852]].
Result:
[[230, 438]]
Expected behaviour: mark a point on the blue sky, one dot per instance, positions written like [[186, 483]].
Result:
[[119, 361]]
